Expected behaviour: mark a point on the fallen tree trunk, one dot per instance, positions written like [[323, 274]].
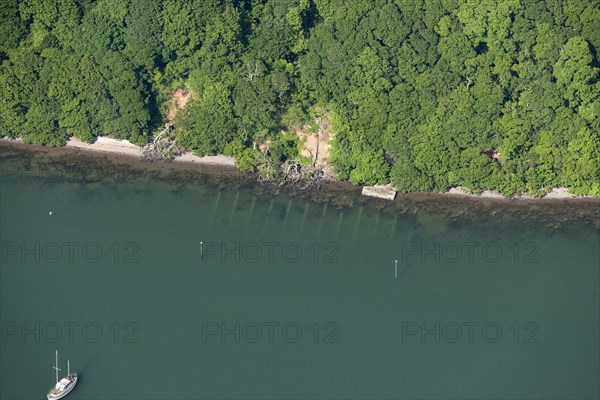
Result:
[[163, 147]]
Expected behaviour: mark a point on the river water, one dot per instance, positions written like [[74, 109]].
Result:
[[157, 290]]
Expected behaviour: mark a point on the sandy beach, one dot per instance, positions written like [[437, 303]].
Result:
[[556, 193], [108, 145], [124, 147], [220, 159]]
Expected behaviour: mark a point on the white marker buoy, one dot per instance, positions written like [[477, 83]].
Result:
[[50, 213], [200, 249]]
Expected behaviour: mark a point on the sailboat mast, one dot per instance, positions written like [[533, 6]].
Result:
[[68, 369], [56, 366]]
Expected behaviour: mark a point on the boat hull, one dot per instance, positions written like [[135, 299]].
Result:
[[53, 394]]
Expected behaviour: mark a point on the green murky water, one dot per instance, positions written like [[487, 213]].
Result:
[[286, 298]]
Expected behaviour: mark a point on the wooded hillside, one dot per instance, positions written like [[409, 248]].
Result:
[[426, 94]]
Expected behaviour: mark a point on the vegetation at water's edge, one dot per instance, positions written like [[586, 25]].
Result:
[[426, 94]]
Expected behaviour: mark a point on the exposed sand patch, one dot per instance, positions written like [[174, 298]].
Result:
[[559, 193], [179, 98], [218, 159], [124, 147], [316, 145], [109, 145], [463, 191], [308, 148], [556, 193], [459, 191], [491, 194], [8, 139]]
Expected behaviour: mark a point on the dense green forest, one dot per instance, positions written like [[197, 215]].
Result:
[[425, 94]]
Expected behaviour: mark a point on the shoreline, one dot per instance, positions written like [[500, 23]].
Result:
[[94, 169], [124, 148]]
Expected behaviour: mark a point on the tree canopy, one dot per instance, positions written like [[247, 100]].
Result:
[[425, 94]]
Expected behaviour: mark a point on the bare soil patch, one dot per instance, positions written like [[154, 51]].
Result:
[[178, 100], [316, 144]]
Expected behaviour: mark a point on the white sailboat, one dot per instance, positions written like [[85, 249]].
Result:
[[65, 385]]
